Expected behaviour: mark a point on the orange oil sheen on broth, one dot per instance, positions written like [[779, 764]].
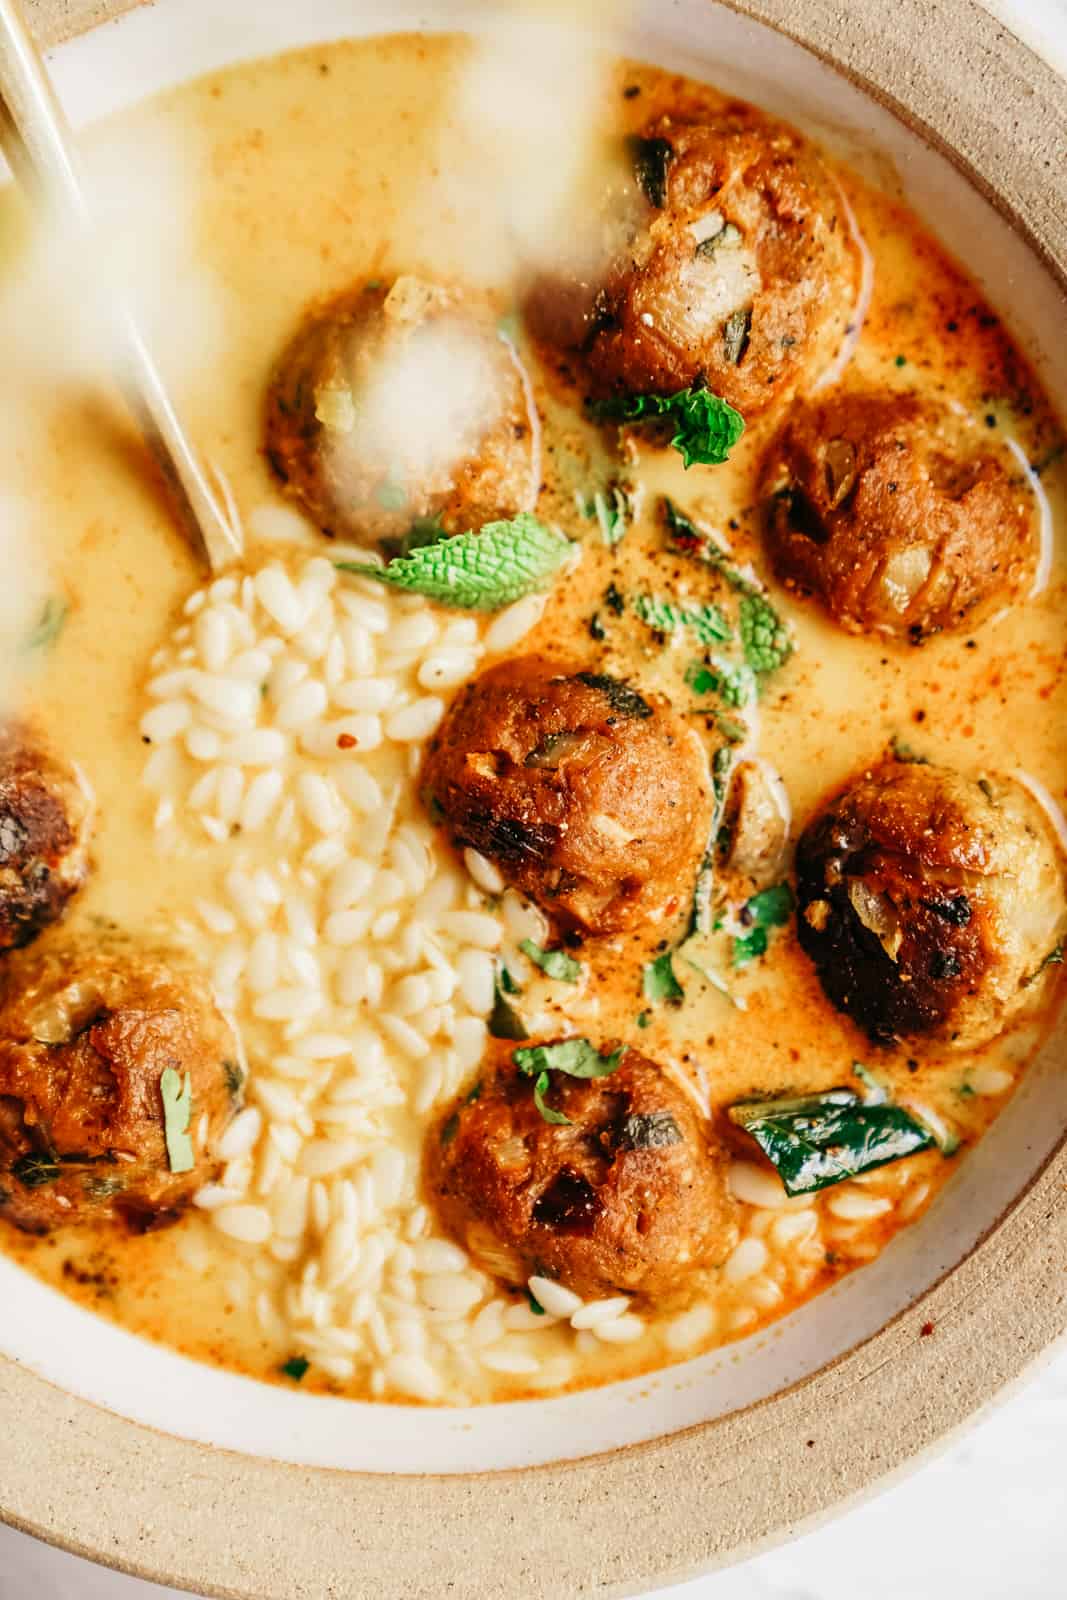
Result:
[[310, 125]]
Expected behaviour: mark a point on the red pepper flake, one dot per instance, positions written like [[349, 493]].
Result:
[[926, 1330], [346, 741]]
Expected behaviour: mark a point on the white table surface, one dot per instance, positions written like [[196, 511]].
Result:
[[987, 1519]]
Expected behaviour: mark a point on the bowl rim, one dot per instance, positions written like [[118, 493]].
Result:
[[92, 1482]]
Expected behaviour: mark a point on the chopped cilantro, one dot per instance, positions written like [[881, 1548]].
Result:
[[770, 908], [535, 1305], [504, 1021], [685, 535], [659, 983], [177, 1114], [477, 571], [577, 1058], [1054, 958], [612, 509], [49, 625], [644, 1019], [295, 1367], [706, 426], [555, 964]]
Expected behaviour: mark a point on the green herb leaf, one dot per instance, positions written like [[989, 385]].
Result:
[[612, 509], [575, 1057], [295, 1367], [666, 616], [477, 571], [734, 683], [542, 1084], [234, 1077], [504, 1021], [35, 1170], [177, 1114], [764, 637], [906, 753], [1053, 959], [770, 908], [684, 534], [652, 158], [555, 964], [876, 1093], [691, 954], [48, 626], [659, 983], [535, 1305], [706, 426], [822, 1139]]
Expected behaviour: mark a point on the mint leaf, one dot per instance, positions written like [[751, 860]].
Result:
[[734, 683], [476, 571], [177, 1114], [666, 616], [658, 982], [541, 1088], [553, 963], [706, 426], [764, 637]]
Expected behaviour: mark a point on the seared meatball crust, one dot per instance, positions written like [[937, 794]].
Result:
[[87, 1029], [591, 798], [896, 513], [928, 901], [630, 1198], [46, 820], [394, 404], [739, 274]]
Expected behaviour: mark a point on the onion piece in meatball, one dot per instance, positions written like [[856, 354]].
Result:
[[928, 901], [738, 272], [591, 798], [628, 1197], [897, 513], [395, 405], [46, 821], [87, 1030]]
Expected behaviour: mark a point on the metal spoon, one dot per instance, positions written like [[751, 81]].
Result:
[[38, 143]]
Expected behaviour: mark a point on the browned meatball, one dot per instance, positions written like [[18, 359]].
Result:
[[400, 403], [928, 901], [87, 1031], [591, 798], [630, 1197], [46, 817], [739, 271], [897, 513]]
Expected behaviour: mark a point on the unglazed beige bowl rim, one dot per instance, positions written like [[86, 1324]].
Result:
[[194, 1517]]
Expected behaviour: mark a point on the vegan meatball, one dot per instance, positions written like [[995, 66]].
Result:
[[628, 1196], [592, 798], [739, 271], [897, 513], [88, 1031], [46, 817], [395, 405], [929, 901]]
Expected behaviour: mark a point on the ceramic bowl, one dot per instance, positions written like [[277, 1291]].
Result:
[[130, 1454]]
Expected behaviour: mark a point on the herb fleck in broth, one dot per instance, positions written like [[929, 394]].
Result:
[[276, 129]]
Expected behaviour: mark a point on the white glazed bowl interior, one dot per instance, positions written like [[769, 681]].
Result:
[[159, 46]]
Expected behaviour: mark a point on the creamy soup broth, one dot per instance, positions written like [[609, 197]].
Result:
[[312, 171]]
